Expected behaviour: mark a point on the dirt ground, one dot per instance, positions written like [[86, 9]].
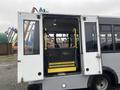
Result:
[[8, 74]]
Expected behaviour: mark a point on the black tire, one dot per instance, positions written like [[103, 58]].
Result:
[[101, 82]]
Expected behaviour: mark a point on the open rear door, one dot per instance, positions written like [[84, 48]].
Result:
[[30, 47], [91, 45]]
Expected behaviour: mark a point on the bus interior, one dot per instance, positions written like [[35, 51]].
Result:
[[61, 44]]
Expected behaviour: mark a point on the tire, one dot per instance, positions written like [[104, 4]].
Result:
[[101, 82]]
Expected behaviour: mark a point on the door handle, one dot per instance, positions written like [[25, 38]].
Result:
[[98, 56], [18, 61]]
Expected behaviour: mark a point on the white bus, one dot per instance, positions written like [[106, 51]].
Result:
[[65, 52]]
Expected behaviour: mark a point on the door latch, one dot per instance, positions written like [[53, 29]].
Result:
[[98, 56], [18, 60]]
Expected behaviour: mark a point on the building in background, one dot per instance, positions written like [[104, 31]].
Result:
[[5, 46]]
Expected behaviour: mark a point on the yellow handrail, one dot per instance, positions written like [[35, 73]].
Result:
[[46, 40], [75, 36]]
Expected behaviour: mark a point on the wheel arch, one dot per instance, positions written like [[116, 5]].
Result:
[[108, 71]]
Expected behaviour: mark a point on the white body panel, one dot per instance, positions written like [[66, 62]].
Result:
[[91, 60], [29, 65]]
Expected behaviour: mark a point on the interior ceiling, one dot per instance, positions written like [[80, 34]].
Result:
[[60, 23]]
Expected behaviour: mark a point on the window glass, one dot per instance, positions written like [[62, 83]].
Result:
[[106, 37], [60, 40], [117, 37], [91, 37], [105, 28], [31, 37]]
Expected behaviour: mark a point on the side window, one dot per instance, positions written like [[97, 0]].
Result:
[[91, 37], [106, 37], [117, 37], [31, 37], [60, 40]]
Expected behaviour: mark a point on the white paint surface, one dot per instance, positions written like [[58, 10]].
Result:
[[29, 65], [89, 58]]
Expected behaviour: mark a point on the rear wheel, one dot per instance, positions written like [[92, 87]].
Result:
[[101, 82]]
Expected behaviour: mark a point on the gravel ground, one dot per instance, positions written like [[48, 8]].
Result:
[[8, 77]]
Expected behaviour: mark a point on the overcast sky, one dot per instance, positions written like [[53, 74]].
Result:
[[9, 8]]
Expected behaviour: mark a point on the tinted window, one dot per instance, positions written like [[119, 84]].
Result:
[[106, 37], [117, 37], [105, 28], [31, 37], [91, 37]]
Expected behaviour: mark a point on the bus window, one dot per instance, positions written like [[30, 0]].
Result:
[[31, 37], [117, 37], [91, 37], [61, 40], [106, 37]]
